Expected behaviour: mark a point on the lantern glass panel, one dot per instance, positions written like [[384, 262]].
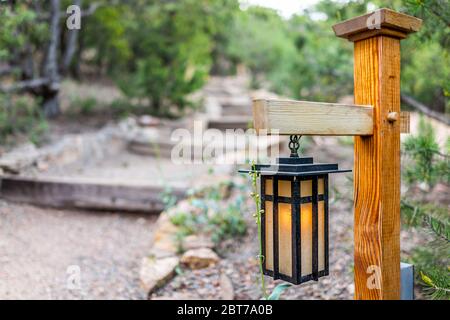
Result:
[[284, 188], [306, 238], [321, 234], [320, 186], [269, 187], [268, 221], [306, 188], [285, 238]]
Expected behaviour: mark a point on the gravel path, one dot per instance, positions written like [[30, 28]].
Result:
[[41, 250], [126, 167]]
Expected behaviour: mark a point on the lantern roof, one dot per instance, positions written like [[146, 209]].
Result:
[[295, 166]]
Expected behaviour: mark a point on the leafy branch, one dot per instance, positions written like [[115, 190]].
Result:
[[438, 283], [429, 215], [257, 215], [427, 164]]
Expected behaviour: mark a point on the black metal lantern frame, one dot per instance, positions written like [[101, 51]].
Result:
[[294, 218]]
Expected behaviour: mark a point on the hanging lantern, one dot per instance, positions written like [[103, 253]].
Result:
[[294, 218]]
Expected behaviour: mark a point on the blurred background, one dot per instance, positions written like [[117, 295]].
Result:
[[86, 115]]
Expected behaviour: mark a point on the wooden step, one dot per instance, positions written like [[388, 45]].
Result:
[[231, 122], [98, 194]]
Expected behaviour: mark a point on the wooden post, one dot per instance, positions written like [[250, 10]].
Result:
[[376, 38]]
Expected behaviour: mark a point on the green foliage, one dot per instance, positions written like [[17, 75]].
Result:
[[434, 274], [432, 261], [20, 29], [427, 163], [322, 60], [21, 117], [302, 58], [168, 198], [436, 218], [112, 48], [84, 106], [160, 52], [173, 55], [436, 10], [123, 107], [428, 55], [425, 74], [223, 19], [433, 256], [228, 223], [268, 51], [425, 55], [210, 216], [438, 283]]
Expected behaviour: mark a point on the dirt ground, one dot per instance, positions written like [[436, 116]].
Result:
[[41, 251]]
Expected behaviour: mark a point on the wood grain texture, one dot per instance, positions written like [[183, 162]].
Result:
[[380, 22], [287, 117], [230, 122], [377, 170]]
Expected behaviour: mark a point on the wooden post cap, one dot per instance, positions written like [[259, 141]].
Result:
[[380, 22]]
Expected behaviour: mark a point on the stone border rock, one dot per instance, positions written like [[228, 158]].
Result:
[[159, 267], [27, 158]]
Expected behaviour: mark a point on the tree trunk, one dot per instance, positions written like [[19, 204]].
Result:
[[71, 46], [51, 104], [50, 67]]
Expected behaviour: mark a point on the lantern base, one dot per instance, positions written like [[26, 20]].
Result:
[[299, 279]]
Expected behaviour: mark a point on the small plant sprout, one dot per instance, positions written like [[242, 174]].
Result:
[[257, 215]]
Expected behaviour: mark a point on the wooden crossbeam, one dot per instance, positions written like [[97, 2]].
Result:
[[287, 117]]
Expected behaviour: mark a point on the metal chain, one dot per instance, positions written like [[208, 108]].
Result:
[[294, 144]]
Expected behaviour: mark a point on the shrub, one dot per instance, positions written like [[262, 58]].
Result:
[[211, 216], [84, 106], [21, 116], [428, 165], [158, 51]]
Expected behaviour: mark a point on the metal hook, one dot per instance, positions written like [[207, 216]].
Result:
[[294, 145]]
